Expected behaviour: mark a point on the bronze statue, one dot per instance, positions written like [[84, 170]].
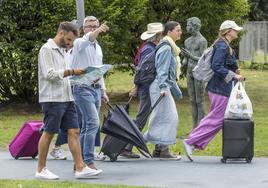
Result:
[[195, 46]]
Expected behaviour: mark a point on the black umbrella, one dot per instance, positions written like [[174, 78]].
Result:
[[111, 129], [121, 126]]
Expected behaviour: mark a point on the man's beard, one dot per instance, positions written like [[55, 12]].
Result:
[[62, 43]]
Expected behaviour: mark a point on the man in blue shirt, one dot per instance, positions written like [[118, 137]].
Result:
[[87, 52]]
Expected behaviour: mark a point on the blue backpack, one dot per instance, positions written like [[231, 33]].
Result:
[[146, 72]]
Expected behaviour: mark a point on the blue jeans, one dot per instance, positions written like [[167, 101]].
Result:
[[88, 101], [62, 138]]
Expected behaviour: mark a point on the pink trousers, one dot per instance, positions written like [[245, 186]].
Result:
[[211, 124]]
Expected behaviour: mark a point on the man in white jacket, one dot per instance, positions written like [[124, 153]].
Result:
[[57, 102]]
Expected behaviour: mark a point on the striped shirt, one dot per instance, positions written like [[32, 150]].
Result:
[[53, 87]]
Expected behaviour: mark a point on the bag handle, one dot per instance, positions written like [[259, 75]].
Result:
[[243, 82], [111, 106]]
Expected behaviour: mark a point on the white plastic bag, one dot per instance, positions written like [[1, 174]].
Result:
[[239, 105]]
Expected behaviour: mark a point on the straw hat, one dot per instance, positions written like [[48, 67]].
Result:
[[152, 29]]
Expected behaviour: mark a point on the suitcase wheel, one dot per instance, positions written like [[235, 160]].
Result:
[[223, 160], [113, 159], [248, 160], [16, 158], [35, 155]]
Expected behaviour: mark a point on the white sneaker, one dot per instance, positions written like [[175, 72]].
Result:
[[46, 174], [188, 150], [99, 157], [87, 173], [58, 153]]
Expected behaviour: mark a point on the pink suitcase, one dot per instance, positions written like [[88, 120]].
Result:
[[25, 143]]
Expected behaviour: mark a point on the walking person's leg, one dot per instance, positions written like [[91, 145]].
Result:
[[163, 124], [70, 123], [98, 156], [57, 152], [43, 147], [85, 100], [141, 118], [53, 113], [208, 127]]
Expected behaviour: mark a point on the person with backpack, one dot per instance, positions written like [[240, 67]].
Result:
[[219, 87], [151, 37], [163, 122]]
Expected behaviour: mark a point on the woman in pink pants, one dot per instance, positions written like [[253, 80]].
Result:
[[219, 87]]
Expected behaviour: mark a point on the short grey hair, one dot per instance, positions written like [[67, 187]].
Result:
[[91, 18], [155, 38]]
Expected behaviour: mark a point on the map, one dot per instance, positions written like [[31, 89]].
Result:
[[92, 75]]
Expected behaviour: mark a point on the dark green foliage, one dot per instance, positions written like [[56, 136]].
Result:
[[25, 25], [123, 17], [211, 12], [258, 10]]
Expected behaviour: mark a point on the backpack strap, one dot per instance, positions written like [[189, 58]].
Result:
[[163, 43], [137, 56]]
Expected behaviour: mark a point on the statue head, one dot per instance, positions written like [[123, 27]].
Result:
[[193, 25]]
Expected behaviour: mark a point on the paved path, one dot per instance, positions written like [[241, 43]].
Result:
[[204, 172]]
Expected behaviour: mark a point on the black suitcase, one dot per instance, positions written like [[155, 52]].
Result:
[[237, 140], [112, 146]]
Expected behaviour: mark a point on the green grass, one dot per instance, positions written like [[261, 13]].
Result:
[[51, 184], [118, 86]]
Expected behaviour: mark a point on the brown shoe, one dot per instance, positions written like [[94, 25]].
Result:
[[129, 155], [156, 154], [165, 154]]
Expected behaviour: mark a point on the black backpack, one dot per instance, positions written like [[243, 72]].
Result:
[[146, 72]]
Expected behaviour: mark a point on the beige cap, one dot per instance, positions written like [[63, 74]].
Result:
[[229, 24]]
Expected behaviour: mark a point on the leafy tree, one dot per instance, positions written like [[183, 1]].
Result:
[[258, 10], [24, 26], [123, 17], [212, 13]]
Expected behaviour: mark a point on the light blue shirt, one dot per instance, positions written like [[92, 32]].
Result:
[[166, 68], [87, 53]]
